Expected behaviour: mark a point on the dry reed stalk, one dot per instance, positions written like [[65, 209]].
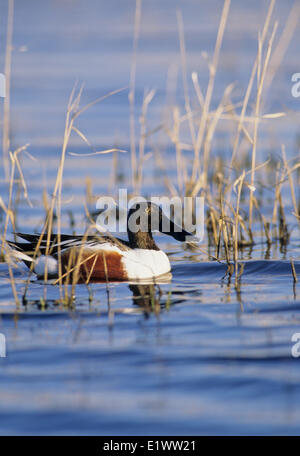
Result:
[[162, 167], [218, 245], [66, 298], [88, 190], [137, 21], [79, 262], [6, 106], [261, 73], [291, 183], [237, 283], [73, 112], [214, 225], [9, 209], [294, 270], [242, 225], [10, 271], [283, 229], [198, 89], [251, 80], [49, 220], [263, 219], [176, 140], [12, 281], [277, 191], [248, 119], [211, 128], [13, 284], [208, 96], [148, 97], [283, 43], [237, 217], [110, 312], [10, 216], [242, 116], [171, 86], [91, 271], [73, 106], [226, 241], [223, 231], [73, 269], [184, 78]]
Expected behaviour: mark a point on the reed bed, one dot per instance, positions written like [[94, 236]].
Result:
[[235, 218]]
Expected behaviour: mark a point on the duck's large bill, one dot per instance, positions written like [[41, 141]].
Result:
[[169, 227]]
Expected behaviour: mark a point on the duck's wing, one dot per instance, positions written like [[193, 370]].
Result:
[[66, 241]]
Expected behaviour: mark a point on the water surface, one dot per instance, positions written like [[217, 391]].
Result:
[[207, 356]]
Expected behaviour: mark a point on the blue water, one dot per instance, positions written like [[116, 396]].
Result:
[[207, 357], [210, 362]]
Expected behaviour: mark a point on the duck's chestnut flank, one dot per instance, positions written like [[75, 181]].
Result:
[[103, 265]]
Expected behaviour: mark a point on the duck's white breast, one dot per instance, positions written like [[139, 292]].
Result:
[[144, 263]]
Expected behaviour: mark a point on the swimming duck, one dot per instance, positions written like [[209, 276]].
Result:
[[104, 257]]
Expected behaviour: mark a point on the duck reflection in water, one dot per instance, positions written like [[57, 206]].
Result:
[[151, 298]]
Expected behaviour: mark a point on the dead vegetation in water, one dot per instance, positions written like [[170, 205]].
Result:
[[235, 216]]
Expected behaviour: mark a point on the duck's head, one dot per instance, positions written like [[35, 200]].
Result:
[[145, 217]]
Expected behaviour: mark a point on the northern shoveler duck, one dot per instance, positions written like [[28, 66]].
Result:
[[103, 257]]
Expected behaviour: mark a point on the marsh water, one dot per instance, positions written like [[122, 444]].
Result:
[[204, 356]]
